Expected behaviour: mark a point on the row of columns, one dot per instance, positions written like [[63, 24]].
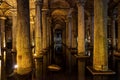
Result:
[[24, 52]]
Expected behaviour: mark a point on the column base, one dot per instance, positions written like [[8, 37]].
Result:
[[117, 56], [95, 72], [81, 57], [24, 77]]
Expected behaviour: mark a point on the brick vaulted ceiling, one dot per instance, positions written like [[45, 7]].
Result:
[[58, 8]]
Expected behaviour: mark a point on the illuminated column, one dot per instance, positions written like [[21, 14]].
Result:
[[81, 26], [81, 40], [3, 45], [74, 31], [32, 35], [118, 26], [44, 27], [14, 29], [38, 28], [44, 36], [100, 55], [24, 51], [3, 40], [113, 33]]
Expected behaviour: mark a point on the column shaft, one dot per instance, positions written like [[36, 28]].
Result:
[[118, 26], [14, 29], [44, 27], [81, 26], [3, 45], [24, 52], [100, 56], [81, 41], [38, 28], [3, 39], [74, 31]]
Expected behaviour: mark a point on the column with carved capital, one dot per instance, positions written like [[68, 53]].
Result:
[[23, 46], [100, 62]]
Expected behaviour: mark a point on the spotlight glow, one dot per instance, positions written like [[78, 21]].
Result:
[[16, 66]]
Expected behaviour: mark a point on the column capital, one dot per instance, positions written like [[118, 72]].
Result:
[[81, 2], [38, 2], [3, 18], [14, 12]]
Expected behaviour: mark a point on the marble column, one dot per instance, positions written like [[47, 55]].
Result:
[[3, 39], [74, 30], [38, 41], [0, 55], [118, 47], [81, 40], [32, 33], [14, 29], [113, 32], [45, 33], [23, 46], [44, 27], [3, 46], [118, 44], [69, 41], [100, 54], [14, 32], [38, 28]]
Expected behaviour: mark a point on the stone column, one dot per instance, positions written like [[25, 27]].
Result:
[[67, 43], [100, 55], [38, 28], [38, 41], [81, 40], [74, 30], [3, 46], [32, 33], [44, 27], [0, 55], [24, 51], [118, 47], [3, 39], [14, 32], [69, 40], [113, 33], [81, 26], [14, 29]]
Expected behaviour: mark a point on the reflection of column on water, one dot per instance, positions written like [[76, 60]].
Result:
[[39, 68], [2, 65]]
